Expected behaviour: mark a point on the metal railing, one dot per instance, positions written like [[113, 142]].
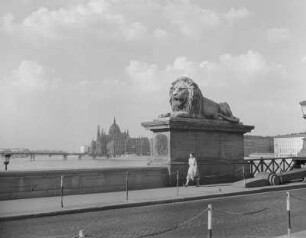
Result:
[[274, 164]]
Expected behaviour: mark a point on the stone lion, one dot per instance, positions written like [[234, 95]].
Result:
[[186, 100]]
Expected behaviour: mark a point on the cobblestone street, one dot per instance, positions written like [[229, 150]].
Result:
[[260, 215]]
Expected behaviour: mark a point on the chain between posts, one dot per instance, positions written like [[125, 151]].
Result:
[[299, 199], [249, 212], [176, 226], [210, 219], [209, 222]]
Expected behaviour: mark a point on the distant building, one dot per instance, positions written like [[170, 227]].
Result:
[[288, 145], [117, 143], [84, 149], [277, 146], [258, 145]]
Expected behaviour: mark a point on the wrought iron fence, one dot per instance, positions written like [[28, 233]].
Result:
[[274, 165]]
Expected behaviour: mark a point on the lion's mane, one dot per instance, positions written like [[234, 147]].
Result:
[[193, 105]]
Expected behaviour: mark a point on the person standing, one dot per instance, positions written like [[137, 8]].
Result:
[[193, 172]]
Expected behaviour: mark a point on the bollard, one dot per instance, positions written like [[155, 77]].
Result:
[[81, 234], [243, 174], [288, 212], [177, 183], [209, 222], [127, 185], [62, 190]]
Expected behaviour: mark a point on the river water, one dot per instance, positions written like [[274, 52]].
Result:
[[73, 162]]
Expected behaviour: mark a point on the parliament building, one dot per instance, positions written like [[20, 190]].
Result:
[[117, 143]]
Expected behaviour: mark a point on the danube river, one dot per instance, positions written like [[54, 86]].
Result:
[[73, 162]]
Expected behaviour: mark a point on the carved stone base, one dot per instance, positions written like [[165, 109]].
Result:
[[302, 153], [218, 147]]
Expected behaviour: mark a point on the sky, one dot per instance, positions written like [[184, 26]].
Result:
[[68, 66]]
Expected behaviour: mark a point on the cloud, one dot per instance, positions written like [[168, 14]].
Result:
[[30, 76], [135, 31], [90, 17], [145, 76], [160, 33], [278, 35], [132, 20], [227, 70], [236, 14], [191, 19], [303, 60], [183, 66], [6, 22], [150, 78], [249, 63]]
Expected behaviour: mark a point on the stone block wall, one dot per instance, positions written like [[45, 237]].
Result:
[[30, 184]]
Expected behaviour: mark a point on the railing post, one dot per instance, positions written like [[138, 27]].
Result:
[[251, 167], [177, 183], [284, 164], [261, 165], [81, 234], [243, 175], [273, 165], [62, 191], [288, 212], [209, 221], [127, 186]]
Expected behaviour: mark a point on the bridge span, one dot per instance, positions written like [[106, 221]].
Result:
[[33, 153]]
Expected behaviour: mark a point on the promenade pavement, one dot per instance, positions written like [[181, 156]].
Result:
[[301, 234], [48, 206]]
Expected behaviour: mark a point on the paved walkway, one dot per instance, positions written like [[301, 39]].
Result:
[[36, 207], [301, 234]]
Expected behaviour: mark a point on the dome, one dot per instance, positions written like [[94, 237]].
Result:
[[114, 129]]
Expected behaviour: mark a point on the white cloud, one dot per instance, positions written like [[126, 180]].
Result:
[[250, 63], [131, 20], [235, 14], [160, 33], [183, 66], [30, 76], [7, 21], [226, 70], [145, 76], [189, 18], [278, 35], [303, 60], [135, 31], [91, 17], [151, 78]]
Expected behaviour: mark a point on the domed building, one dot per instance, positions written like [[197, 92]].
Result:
[[114, 130], [117, 143]]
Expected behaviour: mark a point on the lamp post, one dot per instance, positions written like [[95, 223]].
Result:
[[302, 153], [6, 160]]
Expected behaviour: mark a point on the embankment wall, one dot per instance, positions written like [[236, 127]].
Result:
[[32, 184]]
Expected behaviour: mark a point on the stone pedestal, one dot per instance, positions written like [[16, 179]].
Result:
[[218, 147], [302, 153]]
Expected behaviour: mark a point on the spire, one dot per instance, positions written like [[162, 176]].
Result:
[[114, 120], [98, 133]]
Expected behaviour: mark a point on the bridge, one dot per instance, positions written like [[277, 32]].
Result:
[[8, 153]]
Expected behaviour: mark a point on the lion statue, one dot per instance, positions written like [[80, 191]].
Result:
[[186, 100]]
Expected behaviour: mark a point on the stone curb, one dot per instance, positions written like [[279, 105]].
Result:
[[93, 208]]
